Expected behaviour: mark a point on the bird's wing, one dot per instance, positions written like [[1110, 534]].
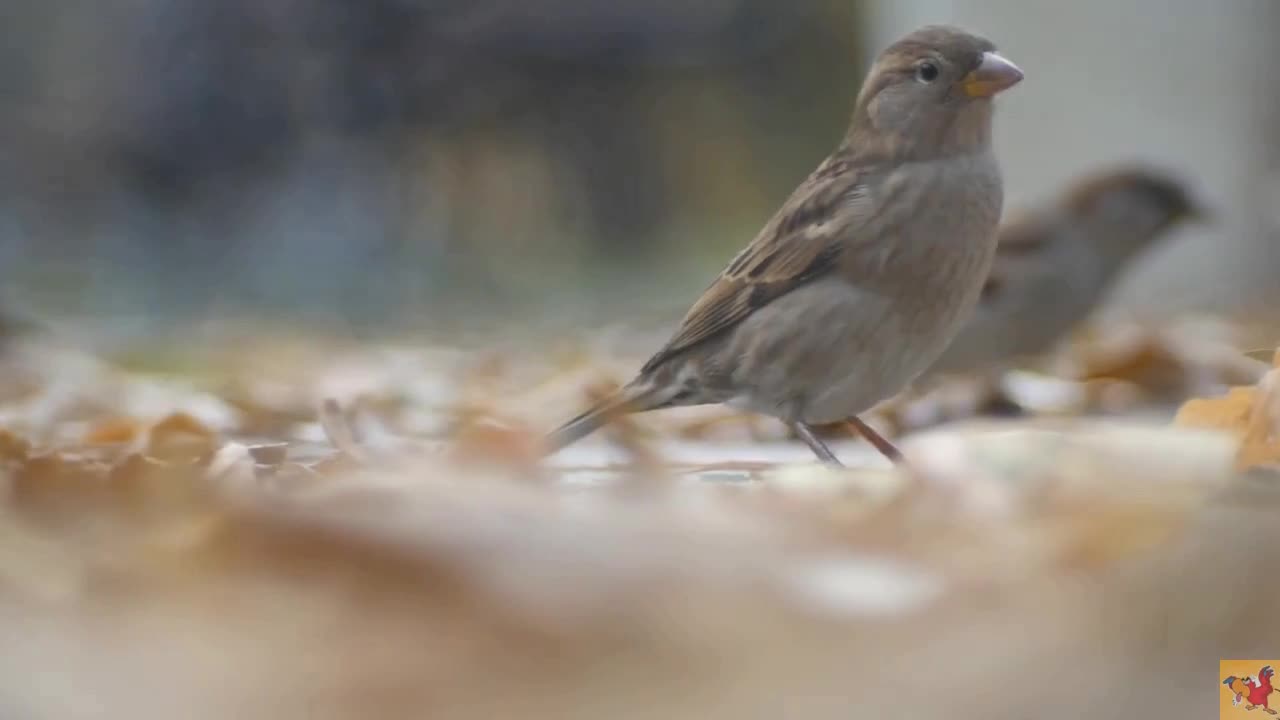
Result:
[[804, 241]]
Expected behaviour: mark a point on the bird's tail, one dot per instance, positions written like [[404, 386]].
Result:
[[633, 398]]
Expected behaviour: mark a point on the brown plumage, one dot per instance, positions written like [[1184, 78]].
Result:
[[1054, 265], [865, 273]]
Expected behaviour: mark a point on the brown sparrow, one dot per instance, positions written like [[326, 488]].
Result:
[[868, 270], [1053, 266]]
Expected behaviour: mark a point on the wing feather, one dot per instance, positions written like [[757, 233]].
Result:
[[804, 241]]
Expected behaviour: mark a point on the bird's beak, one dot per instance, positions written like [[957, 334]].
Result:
[[993, 75]]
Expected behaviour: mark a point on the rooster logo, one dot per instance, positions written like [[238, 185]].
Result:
[[1254, 691]]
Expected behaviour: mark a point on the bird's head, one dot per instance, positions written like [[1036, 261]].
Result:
[[1128, 208], [1229, 680], [930, 92], [1126, 191]]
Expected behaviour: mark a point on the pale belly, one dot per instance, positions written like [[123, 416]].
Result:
[[829, 351]]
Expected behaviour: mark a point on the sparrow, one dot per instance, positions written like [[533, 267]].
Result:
[[862, 278], [1054, 265]]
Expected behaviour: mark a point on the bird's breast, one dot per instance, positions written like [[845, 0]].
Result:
[[943, 238]]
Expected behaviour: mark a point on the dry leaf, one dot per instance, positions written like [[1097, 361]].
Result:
[[255, 569], [181, 438], [1252, 414], [114, 431]]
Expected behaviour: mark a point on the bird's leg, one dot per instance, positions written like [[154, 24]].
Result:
[[818, 447], [877, 440]]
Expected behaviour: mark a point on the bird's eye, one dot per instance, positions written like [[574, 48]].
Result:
[[926, 72]]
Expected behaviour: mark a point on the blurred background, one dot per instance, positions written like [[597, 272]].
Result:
[[360, 529], [395, 166]]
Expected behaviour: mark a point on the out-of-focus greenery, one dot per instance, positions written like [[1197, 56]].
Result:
[[374, 162]]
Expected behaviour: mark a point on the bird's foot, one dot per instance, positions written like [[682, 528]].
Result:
[[818, 447], [886, 448], [828, 458]]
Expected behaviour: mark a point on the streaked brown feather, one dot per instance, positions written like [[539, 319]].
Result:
[[804, 241]]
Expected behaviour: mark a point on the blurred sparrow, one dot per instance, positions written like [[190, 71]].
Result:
[[1053, 266], [867, 271]]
